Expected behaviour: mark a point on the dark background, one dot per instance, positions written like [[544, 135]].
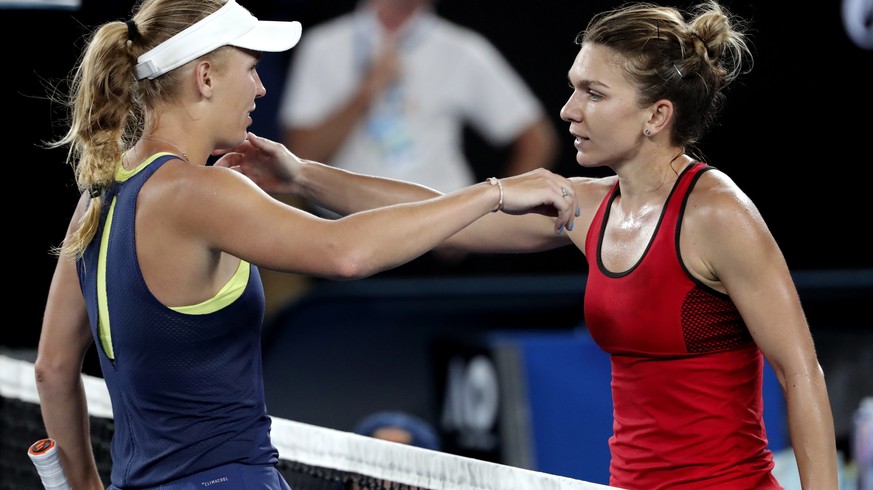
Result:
[[795, 133]]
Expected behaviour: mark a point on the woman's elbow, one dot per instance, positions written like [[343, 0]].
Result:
[[351, 263], [50, 374]]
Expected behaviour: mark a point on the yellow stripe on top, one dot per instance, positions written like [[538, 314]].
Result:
[[227, 295], [122, 174], [102, 305], [103, 324]]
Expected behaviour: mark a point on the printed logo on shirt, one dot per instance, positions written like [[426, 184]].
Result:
[[215, 481]]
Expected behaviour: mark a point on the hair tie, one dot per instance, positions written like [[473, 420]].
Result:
[[95, 192], [132, 31]]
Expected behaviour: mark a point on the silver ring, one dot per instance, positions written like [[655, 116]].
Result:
[[564, 192]]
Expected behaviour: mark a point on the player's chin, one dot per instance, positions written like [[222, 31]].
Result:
[[587, 160], [583, 160]]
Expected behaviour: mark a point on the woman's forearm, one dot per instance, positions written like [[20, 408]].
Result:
[[65, 415], [812, 431], [345, 192]]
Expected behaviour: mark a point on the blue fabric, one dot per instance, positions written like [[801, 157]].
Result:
[[228, 477], [187, 390]]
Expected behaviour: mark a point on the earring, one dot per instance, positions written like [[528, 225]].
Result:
[[647, 132]]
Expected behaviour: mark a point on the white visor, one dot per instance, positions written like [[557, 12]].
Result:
[[231, 25]]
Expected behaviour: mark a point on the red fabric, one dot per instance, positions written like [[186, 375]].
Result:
[[686, 375]]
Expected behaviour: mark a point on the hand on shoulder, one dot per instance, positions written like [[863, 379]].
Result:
[[267, 163]]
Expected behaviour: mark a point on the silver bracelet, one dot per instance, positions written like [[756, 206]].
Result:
[[496, 181]]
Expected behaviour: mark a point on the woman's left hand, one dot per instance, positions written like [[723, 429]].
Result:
[[267, 163]]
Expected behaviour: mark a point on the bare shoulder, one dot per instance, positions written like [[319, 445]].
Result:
[[722, 228], [199, 199], [719, 201], [193, 184], [591, 190], [592, 183]]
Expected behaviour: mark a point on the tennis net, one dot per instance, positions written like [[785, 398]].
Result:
[[311, 457]]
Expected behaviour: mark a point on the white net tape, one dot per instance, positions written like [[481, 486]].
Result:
[[344, 451]]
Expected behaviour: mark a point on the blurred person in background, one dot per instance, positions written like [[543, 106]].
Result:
[[386, 90], [399, 427], [390, 88]]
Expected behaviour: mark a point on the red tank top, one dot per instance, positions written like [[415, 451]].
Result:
[[686, 374]]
